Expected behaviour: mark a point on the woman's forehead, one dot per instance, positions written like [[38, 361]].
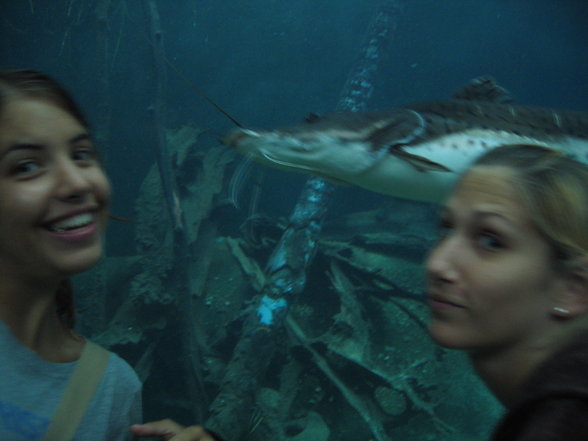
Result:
[[27, 116], [489, 189]]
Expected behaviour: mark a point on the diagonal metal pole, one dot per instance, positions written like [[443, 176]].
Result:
[[286, 268]]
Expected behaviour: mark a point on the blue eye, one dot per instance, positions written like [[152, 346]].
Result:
[[489, 241]]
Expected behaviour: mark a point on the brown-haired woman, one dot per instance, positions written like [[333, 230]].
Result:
[[54, 199]]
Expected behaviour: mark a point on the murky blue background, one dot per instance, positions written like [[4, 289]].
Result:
[[271, 62]]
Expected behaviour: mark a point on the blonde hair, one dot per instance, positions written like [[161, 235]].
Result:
[[554, 190]]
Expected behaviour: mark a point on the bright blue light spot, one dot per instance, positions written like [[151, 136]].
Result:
[[267, 309]]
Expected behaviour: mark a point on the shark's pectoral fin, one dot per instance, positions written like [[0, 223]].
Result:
[[420, 163], [402, 128]]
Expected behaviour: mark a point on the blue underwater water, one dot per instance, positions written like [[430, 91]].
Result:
[[355, 358]]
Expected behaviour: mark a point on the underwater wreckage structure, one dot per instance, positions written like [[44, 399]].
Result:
[[286, 268], [281, 349]]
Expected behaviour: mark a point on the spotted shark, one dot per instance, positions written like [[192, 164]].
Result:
[[416, 151]]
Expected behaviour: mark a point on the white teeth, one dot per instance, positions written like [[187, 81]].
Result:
[[72, 222]]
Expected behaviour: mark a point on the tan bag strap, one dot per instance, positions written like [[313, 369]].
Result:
[[78, 393]]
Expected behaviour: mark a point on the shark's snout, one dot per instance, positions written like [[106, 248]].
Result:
[[237, 136]]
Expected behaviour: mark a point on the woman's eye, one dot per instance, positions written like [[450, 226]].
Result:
[[26, 167], [490, 241], [85, 154]]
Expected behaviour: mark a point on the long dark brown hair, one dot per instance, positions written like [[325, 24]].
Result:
[[24, 83]]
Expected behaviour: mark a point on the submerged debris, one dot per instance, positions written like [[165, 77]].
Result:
[[356, 354]]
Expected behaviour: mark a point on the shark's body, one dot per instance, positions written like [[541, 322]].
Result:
[[417, 151]]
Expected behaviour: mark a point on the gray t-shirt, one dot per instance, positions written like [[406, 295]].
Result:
[[30, 389]]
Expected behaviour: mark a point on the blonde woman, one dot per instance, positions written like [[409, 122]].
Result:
[[508, 284]]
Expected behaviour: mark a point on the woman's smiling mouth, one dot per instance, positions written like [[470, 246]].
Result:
[[71, 224], [79, 227]]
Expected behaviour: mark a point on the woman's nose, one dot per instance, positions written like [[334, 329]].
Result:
[[442, 262], [72, 180]]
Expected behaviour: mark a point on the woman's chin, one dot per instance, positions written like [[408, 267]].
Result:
[[445, 337], [80, 262]]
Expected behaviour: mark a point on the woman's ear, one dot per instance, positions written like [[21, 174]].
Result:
[[572, 298]]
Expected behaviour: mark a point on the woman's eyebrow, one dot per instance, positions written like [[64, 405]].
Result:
[[482, 215], [20, 146], [80, 137]]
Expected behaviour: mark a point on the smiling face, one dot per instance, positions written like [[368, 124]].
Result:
[[53, 193], [492, 280]]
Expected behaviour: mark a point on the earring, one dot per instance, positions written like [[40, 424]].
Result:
[[561, 311]]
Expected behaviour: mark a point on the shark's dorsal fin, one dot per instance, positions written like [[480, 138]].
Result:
[[484, 89]]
